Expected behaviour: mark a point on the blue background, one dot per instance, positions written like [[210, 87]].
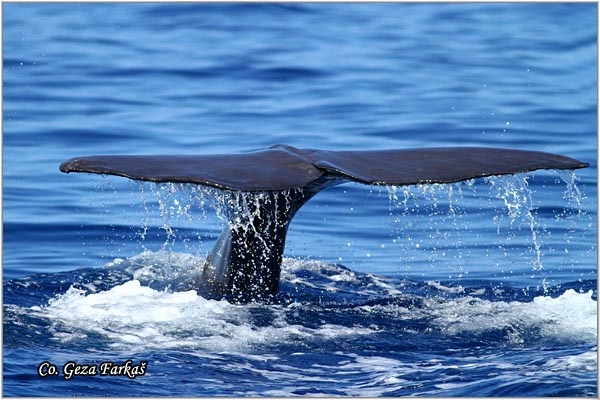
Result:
[[191, 78]]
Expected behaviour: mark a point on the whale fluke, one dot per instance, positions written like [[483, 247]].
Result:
[[245, 263], [284, 167]]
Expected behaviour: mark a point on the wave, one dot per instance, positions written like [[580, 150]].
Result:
[[146, 302]]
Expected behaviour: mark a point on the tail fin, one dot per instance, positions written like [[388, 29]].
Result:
[[285, 167], [245, 263]]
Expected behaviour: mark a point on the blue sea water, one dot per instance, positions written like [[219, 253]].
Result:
[[483, 288]]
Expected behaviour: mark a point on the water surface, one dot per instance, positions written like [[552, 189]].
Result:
[[485, 288]]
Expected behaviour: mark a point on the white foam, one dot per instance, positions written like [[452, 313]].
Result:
[[571, 316], [133, 314], [162, 266]]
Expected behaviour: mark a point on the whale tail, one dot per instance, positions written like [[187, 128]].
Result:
[[270, 186]]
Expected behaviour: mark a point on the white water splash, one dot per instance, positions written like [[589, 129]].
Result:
[[137, 317], [514, 191], [571, 316], [134, 316], [445, 226], [450, 225]]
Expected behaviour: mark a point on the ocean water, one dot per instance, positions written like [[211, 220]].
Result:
[[481, 288]]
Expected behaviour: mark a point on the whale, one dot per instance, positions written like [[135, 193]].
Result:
[[270, 186]]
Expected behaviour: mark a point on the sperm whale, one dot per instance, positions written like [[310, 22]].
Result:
[[245, 263]]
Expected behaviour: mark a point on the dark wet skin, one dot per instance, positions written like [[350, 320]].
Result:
[[245, 264]]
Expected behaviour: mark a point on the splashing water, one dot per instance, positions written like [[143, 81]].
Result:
[[137, 317], [441, 225], [455, 218], [388, 331]]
